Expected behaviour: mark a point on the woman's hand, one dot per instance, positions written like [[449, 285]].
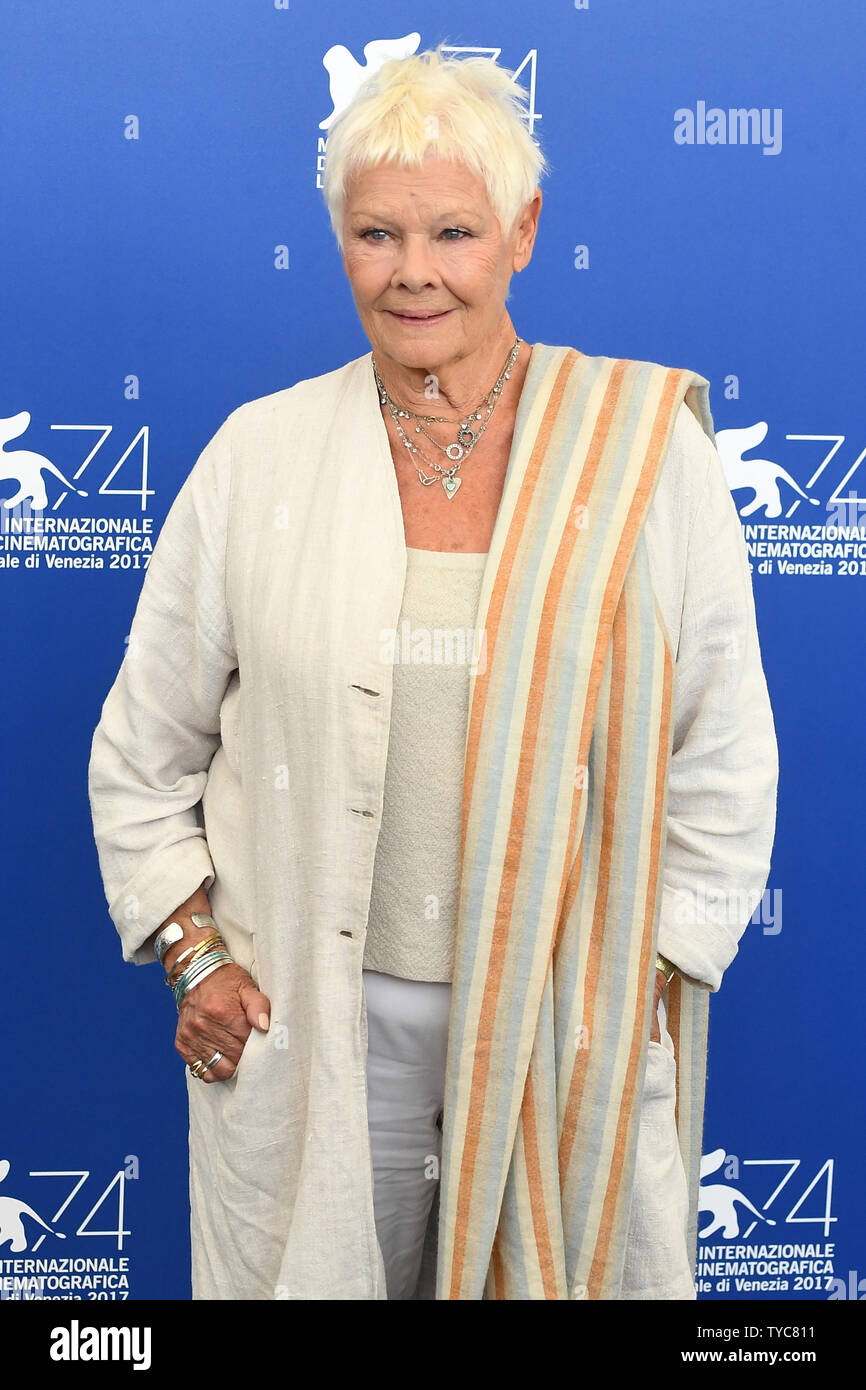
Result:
[[218, 1015], [661, 985]]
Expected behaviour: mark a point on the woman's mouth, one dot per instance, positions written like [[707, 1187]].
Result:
[[419, 320]]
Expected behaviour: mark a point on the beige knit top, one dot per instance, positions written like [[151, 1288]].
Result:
[[413, 904]]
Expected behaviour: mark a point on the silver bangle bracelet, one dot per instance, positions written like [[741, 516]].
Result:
[[190, 951], [182, 993], [183, 955], [192, 972], [169, 936], [210, 971], [212, 960]]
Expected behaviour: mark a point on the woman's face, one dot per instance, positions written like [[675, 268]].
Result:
[[420, 242]]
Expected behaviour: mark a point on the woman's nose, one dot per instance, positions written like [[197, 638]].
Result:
[[416, 265]]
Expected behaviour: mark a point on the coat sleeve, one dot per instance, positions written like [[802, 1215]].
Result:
[[160, 722], [723, 774]]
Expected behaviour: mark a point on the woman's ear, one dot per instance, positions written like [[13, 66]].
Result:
[[527, 231]]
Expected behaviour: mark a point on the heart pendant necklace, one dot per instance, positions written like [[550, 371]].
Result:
[[468, 434]]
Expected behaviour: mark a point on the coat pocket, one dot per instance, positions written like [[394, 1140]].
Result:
[[657, 1263], [660, 1077]]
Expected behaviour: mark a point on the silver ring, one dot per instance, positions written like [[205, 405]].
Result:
[[206, 1066]]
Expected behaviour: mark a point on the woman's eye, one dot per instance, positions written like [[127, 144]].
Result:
[[377, 233]]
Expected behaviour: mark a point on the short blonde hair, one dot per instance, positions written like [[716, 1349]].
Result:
[[479, 122]]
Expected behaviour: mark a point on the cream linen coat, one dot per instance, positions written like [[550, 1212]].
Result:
[[244, 741]]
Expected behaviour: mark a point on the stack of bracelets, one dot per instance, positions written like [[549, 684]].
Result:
[[201, 960]]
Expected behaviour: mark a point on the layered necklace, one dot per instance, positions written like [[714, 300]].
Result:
[[468, 430]]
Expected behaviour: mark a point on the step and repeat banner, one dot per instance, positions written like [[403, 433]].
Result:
[[166, 256]]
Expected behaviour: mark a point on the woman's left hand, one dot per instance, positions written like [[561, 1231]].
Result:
[[660, 987]]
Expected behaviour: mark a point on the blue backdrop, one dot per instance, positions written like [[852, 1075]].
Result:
[[166, 256]]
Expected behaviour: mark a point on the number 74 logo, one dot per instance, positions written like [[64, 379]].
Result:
[[116, 1189], [727, 1204]]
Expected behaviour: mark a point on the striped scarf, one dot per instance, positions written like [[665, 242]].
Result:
[[562, 850]]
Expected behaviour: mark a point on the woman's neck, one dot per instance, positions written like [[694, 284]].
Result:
[[460, 385]]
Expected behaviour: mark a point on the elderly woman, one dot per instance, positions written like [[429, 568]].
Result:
[[442, 721]]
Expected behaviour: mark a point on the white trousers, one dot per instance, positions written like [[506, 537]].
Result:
[[407, 1038]]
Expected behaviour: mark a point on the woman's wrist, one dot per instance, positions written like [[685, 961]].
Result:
[[192, 937], [665, 967], [183, 917]]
